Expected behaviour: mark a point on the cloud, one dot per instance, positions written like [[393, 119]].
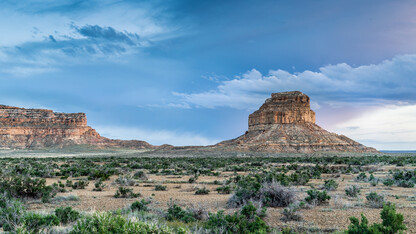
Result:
[[70, 33], [108, 34], [155, 137], [26, 71], [391, 127], [390, 80], [83, 45]]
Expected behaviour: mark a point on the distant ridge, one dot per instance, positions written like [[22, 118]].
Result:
[[37, 128]]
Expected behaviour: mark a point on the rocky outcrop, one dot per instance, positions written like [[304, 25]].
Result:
[[285, 123], [35, 128]]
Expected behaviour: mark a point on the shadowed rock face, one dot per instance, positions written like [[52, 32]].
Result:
[[285, 123], [35, 128]]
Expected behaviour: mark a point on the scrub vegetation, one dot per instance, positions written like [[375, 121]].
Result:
[[312, 194]]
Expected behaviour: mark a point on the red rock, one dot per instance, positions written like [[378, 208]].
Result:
[[285, 123], [34, 128]]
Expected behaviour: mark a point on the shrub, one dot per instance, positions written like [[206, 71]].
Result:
[[26, 187], [330, 185], [123, 192], [275, 195], [405, 184], [291, 213], [160, 187], [98, 186], [11, 213], [192, 179], [80, 184], [268, 193], [140, 205], [37, 223], [361, 177], [202, 191], [68, 183], [140, 175], [107, 223], [224, 189], [125, 181], [375, 200], [66, 214], [316, 197], [245, 221], [352, 191], [388, 182], [175, 212], [392, 223], [198, 212]]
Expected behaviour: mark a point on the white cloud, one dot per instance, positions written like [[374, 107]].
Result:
[[155, 137], [390, 80], [387, 128], [27, 71]]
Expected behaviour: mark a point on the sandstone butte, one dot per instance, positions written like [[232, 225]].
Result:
[[285, 123], [37, 128]]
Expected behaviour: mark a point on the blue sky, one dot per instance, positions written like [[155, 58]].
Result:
[[190, 72]]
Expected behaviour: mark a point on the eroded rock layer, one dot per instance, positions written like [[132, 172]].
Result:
[[285, 123], [35, 128]]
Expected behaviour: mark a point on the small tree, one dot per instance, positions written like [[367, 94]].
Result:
[[392, 223]]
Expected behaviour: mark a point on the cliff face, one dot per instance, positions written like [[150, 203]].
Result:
[[282, 108], [35, 128], [285, 123]]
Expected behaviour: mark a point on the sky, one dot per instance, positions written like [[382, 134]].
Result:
[[188, 72]]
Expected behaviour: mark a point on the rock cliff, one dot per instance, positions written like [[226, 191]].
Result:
[[285, 123], [35, 128]]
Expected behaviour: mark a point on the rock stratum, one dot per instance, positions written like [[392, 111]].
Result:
[[285, 123], [37, 128]]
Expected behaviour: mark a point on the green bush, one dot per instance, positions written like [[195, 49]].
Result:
[[159, 187], [245, 221], [375, 200], [108, 223], [140, 205], [361, 177], [192, 179], [202, 191], [26, 187], [392, 223], [123, 192], [98, 186], [11, 213], [405, 183], [388, 182], [69, 183], [352, 191], [317, 197], [269, 193], [38, 223], [224, 189], [140, 175], [175, 212], [66, 214], [80, 184], [330, 185]]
